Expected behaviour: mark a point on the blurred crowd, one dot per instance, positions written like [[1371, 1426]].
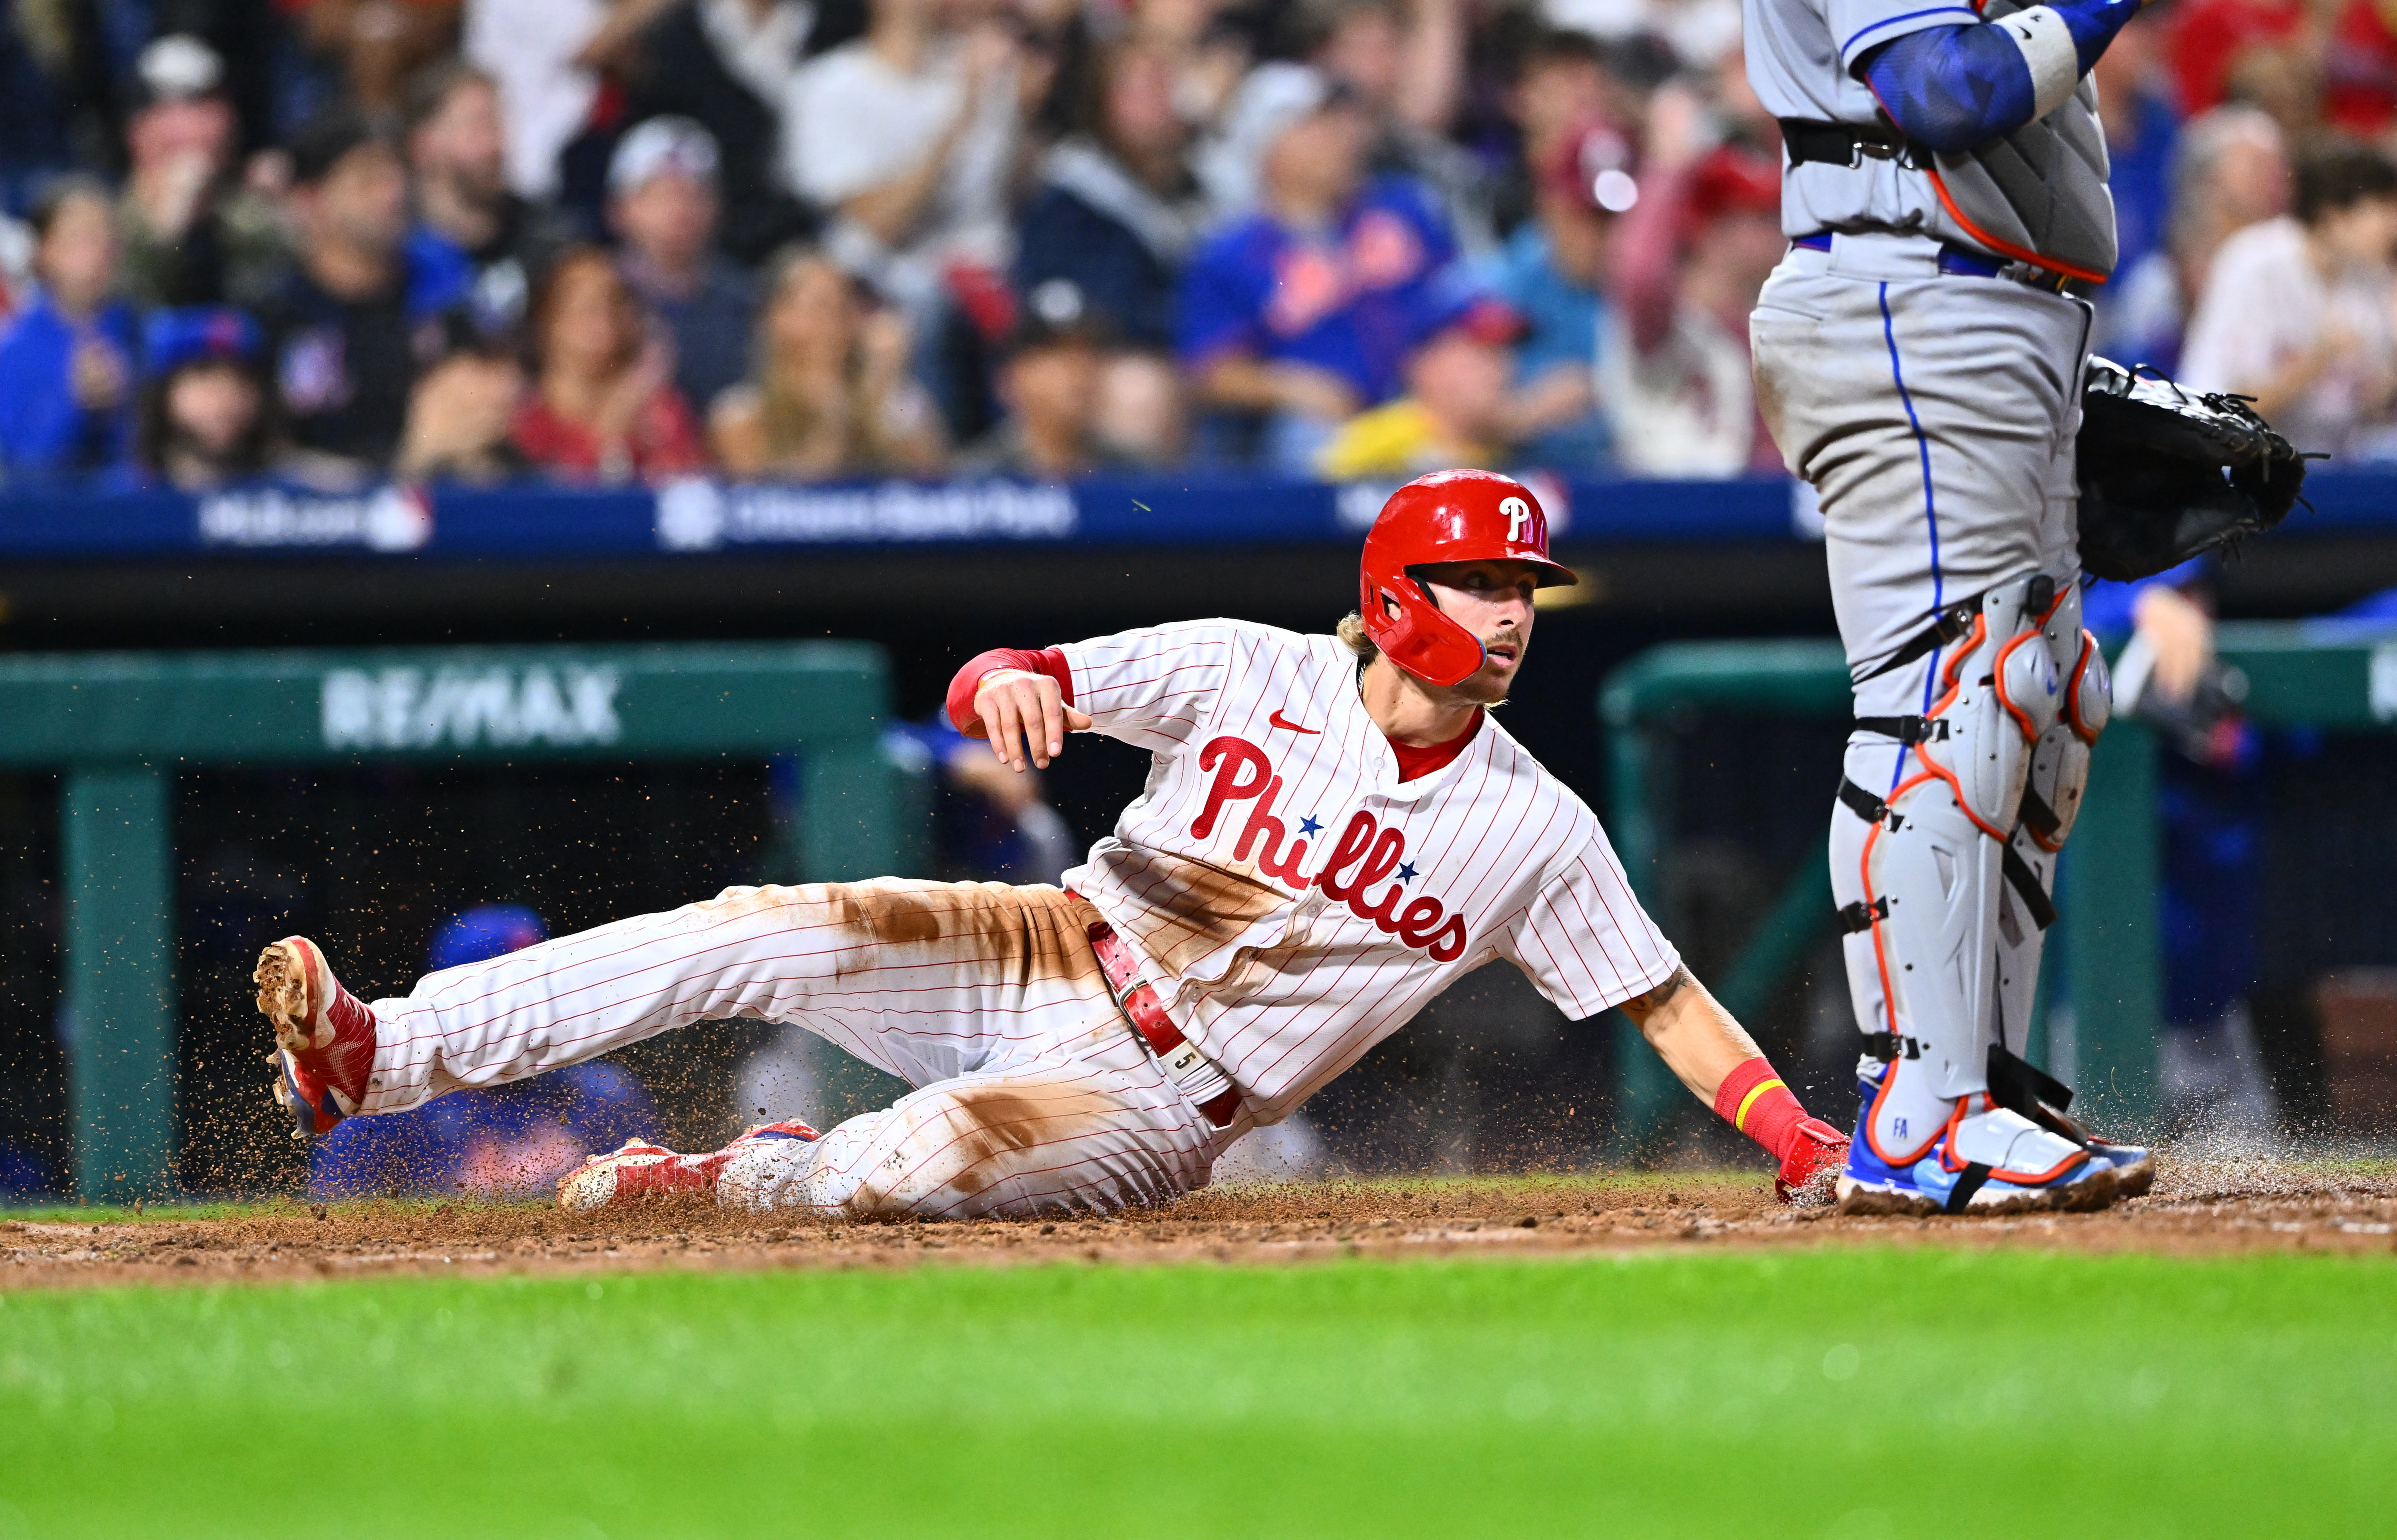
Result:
[[623, 240]]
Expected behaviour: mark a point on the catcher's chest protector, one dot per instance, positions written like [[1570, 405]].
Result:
[[2039, 194]]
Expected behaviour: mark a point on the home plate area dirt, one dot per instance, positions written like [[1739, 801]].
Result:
[[2210, 1207]]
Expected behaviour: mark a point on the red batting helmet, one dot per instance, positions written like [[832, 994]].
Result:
[[1448, 515]]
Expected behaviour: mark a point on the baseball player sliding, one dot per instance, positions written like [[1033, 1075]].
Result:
[[1920, 362], [1335, 829]]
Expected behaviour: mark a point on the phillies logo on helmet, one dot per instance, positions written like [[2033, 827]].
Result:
[[1446, 516]]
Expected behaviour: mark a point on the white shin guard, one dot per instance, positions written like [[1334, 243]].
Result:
[[2059, 774], [1920, 857]]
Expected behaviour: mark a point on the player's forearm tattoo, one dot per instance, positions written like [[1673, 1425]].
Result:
[[1656, 998]]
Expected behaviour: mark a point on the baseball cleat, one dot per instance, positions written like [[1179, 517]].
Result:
[[324, 1035], [1868, 1184], [2134, 1166], [642, 1171], [1992, 1159], [1987, 1161]]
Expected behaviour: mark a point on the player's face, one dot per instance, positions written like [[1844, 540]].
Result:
[[1493, 599]]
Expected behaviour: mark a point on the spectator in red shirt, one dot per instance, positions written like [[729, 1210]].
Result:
[[1688, 261], [603, 406], [2360, 72], [2208, 35]]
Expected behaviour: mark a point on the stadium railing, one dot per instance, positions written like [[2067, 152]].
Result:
[[2339, 675], [116, 727]]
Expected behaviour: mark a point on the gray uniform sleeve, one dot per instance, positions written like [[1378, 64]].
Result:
[[1860, 26]]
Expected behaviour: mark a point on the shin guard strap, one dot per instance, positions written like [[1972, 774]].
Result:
[[1975, 1176], [1908, 731], [2026, 884], [1863, 804]]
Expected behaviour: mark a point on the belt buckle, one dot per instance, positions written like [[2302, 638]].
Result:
[[1901, 155], [2032, 276]]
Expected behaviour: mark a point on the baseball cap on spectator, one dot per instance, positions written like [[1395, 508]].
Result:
[[173, 338], [1275, 98], [328, 140], [1595, 165], [660, 146], [177, 67], [1057, 313], [487, 931], [1457, 301]]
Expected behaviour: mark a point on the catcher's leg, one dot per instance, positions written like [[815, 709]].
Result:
[[1931, 416], [1928, 882], [924, 980], [2051, 806]]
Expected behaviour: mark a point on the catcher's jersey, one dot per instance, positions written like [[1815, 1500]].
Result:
[[1295, 901], [2037, 193], [1799, 56]]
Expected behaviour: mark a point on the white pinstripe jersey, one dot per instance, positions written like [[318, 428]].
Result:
[[1295, 901]]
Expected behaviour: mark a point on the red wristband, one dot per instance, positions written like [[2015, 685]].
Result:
[[1753, 1100], [968, 679]]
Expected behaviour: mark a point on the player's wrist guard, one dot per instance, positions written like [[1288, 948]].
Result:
[[1755, 1101]]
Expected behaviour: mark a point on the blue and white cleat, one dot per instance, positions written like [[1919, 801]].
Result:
[[1992, 1159], [1870, 1184], [1988, 1160], [2134, 1166]]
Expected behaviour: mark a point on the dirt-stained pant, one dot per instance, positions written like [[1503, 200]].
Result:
[[1934, 416], [1034, 1092]]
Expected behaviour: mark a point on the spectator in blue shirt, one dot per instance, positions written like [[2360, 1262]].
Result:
[[1549, 274], [66, 366], [1304, 311], [512, 1141], [662, 205]]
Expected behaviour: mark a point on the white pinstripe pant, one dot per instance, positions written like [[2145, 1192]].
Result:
[[1034, 1094]]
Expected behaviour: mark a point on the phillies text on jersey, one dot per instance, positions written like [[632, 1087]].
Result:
[[1295, 901]]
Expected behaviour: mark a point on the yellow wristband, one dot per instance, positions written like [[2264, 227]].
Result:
[[1739, 1121]]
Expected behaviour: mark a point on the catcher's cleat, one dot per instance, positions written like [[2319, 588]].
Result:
[[641, 1169], [2042, 1099], [324, 1035], [1869, 1184], [1988, 1160], [2134, 1166], [1992, 1159]]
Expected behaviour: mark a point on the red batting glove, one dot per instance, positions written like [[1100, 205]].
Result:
[[1810, 1162], [1753, 1100]]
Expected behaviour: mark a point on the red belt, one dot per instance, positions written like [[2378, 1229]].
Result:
[[1148, 1018]]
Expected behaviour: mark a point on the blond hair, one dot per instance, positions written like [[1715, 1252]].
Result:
[[1351, 632]]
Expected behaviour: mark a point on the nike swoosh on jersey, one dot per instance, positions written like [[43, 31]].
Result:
[[1278, 720]]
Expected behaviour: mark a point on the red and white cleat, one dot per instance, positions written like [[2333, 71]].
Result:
[[324, 1035], [641, 1169]]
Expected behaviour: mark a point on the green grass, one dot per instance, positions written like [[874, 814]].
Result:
[[1843, 1393]]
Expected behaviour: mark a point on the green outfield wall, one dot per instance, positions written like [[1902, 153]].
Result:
[[117, 728]]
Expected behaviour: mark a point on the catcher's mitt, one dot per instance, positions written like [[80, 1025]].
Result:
[[2167, 474]]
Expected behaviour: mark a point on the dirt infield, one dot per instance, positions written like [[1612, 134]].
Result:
[[2207, 1207]]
